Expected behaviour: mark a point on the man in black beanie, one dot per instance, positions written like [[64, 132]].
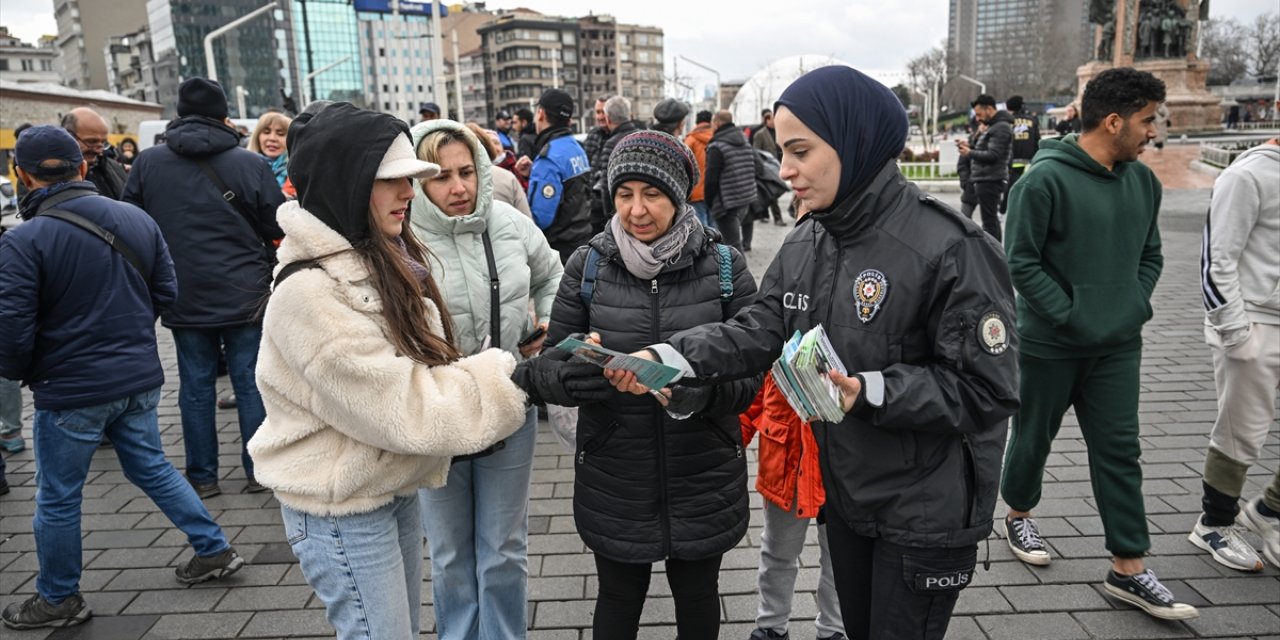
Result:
[[216, 206]]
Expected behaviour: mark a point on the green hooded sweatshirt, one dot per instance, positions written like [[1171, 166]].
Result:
[[1084, 252]]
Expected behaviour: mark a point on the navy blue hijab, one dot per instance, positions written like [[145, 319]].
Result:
[[853, 113]]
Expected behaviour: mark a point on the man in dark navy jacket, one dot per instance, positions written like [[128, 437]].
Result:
[[223, 256], [77, 324]]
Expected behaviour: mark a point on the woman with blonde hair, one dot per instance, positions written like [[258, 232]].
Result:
[[269, 140]]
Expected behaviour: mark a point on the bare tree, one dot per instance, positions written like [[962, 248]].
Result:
[[1262, 45], [1222, 44]]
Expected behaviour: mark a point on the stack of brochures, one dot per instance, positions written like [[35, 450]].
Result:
[[654, 375], [801, 374]]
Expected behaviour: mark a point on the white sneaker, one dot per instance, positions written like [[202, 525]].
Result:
[[1226, 545], [1266, 527]]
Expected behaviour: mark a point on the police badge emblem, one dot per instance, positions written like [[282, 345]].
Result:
[[548, 192], [993, 336], [868, 292]]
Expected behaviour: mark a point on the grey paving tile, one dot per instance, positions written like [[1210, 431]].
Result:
[[265, 598], [99, 626], [566, 614], [175, 601], [1239, 590], [287, 624], [1247, 620], [1043, 626], [962, 628], [198, 625], [1067, 597], [974, 600]]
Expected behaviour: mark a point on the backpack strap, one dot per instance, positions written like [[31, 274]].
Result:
[[292, 268], [725, 258], [102, 234], [589, 270]]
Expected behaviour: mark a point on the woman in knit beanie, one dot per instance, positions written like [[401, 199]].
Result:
[[659, 477]]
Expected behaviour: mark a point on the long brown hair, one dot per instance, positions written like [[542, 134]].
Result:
[[402, 296]]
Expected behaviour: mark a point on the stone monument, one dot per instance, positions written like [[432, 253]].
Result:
[[1159, 37]]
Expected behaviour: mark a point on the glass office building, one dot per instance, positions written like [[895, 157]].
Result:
[[328, 50], [248, 57]]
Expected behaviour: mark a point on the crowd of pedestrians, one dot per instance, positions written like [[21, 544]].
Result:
[[385, 299]]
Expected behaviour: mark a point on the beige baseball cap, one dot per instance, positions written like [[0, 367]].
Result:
[[401, 162]]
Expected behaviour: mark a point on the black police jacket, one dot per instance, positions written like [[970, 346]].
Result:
[[918, 297]]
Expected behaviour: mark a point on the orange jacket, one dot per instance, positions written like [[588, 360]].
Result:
[[788, 453], [697, 141]]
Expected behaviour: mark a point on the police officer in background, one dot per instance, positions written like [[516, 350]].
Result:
[[559, 176], [918, 302], [1026, 141]]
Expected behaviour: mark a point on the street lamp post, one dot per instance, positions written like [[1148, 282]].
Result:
[[210, 68], [982, 87], [705, 67], [306, 82]]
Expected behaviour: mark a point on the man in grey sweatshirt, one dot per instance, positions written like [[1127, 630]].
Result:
[[1240, 283]]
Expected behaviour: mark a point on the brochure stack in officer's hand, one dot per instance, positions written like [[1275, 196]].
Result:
[[801, 374]]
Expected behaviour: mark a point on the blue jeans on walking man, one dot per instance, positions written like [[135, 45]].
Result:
[[477, 527], [198, 395], [65, 442]]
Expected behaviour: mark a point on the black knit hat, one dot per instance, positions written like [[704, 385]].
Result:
[[655, 158], [202, 97]]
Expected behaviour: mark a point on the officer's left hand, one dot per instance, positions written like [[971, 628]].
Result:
[[850, 388]]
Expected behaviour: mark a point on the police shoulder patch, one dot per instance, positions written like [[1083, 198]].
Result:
[[993, 335], [548, 192]]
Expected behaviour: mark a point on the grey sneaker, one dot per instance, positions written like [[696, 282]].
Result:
[[36, 612], [1145, 592], [1226, 545], [1267, 528], [1024, 540], [200, 569]]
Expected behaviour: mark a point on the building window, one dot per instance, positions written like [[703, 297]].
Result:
[[27, 66], [382, 52], [4, 65]]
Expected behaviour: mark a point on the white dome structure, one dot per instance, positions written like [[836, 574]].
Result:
[[763, 88]]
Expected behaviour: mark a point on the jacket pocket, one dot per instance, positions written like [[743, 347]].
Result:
[[1106, 314], [937, 576], [295, 526], [596, 442], [726, 438]]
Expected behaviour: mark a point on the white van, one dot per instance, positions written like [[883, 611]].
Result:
[[151, 132]]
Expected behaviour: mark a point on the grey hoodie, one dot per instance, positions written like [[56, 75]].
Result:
[[1239, 264]]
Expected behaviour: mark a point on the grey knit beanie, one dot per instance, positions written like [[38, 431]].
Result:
[[655, 158]]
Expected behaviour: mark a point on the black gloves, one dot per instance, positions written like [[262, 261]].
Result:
[[552, 379]]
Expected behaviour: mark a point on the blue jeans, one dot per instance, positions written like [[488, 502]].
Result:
[[65, 442], [477, 528], [365, 567], [10, 406], [704, 216], [198, 395]]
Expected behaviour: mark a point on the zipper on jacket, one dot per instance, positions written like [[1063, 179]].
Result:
[[834, 489], [596, 442], [971, 479], [665, 517]]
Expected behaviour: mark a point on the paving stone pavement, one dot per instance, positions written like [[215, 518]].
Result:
[[131, 549]]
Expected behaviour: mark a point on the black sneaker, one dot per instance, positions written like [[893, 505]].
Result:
[[1024, 540], [253, 486], [768, 634], [200, 569], [36, 612], [1145, 592], [4, 487]]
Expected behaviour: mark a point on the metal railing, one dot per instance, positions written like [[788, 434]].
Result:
[[1221, 153], [924, 171]]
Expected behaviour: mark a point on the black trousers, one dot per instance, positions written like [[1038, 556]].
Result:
[[731, 223], [892, 592], [623, 585], [989, 195], [1014, 174]]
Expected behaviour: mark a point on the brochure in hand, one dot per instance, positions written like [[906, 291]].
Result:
[[801, 375], [654, 375]]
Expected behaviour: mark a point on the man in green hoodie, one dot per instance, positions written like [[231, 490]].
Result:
[[1084, 255]]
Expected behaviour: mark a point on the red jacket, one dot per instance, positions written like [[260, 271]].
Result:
[[788, 453]]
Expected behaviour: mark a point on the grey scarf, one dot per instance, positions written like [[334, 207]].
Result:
[[644, 261]]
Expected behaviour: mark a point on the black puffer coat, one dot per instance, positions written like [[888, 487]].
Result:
[[990, 153], [649, 487]]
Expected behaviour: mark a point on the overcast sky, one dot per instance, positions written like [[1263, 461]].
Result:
[[874, 36]]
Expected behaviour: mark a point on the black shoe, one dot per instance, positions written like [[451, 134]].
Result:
[[1145, 592], [1024, 540], [768, 634], [834, 636], [201, 569], [205, 490], [4, 487], [36, 612], [228, 402], [253, 487], [780, 222]]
